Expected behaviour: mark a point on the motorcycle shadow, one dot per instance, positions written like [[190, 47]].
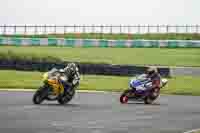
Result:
[[60, 105], [141, 103]]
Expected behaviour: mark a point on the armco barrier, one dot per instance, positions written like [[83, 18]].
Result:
[[85, 68], [99, 42]]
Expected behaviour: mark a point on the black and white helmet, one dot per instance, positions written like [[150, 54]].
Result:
[[151, 71], [71, 69]]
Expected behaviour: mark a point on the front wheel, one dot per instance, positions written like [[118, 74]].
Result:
[[38, 97], [124, 96], [67, 97]]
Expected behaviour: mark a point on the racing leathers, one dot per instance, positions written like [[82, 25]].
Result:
[[155, 80], [69, 81]]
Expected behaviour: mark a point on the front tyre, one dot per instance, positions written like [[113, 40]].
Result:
[[67, 97], [37, 97], [124, 97]]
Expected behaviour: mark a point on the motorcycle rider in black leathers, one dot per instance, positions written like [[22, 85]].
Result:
[[70, 77]]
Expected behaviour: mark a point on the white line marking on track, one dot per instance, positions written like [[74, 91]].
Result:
[[33, 90]]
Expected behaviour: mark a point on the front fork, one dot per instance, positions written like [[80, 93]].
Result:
[[67, 88], [131, 92], [44, 90]]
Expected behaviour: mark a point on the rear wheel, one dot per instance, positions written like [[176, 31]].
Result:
[[67, 97], [154, 95], [148, 100]]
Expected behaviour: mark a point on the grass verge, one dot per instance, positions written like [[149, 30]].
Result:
[[10, 55], [31, 80], [139, 56], [151, 36], [196, 132]]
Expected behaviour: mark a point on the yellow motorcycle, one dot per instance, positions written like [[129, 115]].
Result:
[[53, 89]]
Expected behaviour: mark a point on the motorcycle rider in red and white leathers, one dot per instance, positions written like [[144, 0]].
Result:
[[154, 77]]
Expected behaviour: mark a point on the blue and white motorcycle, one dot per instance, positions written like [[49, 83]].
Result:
[[139, 91]]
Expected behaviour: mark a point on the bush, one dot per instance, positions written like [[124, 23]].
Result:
[[11, 56]]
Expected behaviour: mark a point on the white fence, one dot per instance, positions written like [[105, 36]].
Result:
[[126, 29]]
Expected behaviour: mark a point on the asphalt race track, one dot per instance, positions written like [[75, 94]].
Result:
[[97, 113]]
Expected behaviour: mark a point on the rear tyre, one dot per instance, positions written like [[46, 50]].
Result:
[[148, 100], [67, 97], [153, 96]]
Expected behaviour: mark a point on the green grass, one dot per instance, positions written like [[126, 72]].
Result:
[[183, 85], [139, 56], [151, 36], [19, 79], [10, 55], [197, 132]]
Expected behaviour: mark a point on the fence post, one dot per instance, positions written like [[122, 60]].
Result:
[[111, 30], [129, 29], [15, 29], [45, 29], [65, 29], [101, 32], [158, 28], [83, 30], [138, 29], [148, 27], [186, 30], [176, 29], [167, 28], [77, 35], [74, 28], [35, 29], [25, 29], [120, 29], [55, 29], [129, 32], [4, 29], [93, 31]]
